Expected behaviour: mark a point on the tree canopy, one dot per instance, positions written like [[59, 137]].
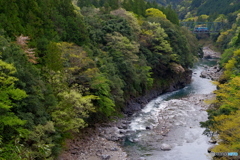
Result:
[[63, 66]]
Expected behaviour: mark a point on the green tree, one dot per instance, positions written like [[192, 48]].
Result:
[[131, 19], [171, 15], [53, 57], [155, 37], [11, 125], [72, 109], [226, 117], [153, 12], [232, 66], [228, 128]]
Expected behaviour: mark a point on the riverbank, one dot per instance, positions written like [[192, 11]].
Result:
[[172, 124], [90, 145], [104, 141], [169, 126], [177, 133]]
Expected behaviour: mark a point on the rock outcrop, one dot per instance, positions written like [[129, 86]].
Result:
[[208, 53], [178, 81], [95, 144], [212, 73]]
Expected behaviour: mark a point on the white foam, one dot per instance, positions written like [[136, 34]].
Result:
[[148, 117]]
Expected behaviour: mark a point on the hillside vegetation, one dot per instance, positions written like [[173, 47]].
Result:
[[63, 67], [224, 113]]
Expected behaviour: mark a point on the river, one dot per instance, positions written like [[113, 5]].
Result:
[[172, 120]]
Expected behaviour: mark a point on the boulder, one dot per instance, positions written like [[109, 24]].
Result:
[[105, 157], [212, 73], [166, 147]]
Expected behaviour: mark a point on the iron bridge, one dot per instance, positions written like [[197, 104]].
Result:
[[203, 27]]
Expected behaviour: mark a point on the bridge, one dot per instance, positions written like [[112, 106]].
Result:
[[203, 27]]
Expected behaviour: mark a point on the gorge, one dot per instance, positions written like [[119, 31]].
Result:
[[118, 79], [167, 128]]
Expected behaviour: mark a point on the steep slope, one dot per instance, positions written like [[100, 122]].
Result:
[[63, 68], [215, 7]]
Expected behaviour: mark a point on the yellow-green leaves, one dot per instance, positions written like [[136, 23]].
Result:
[[123, 46], [227, 124], [8, 94], [70, 112], [105, 105], [224, 35], [7, 90], [230, 66], [5, 71], [155, 36], [221, 18], [228, 127], [229, 94], [153, 12]]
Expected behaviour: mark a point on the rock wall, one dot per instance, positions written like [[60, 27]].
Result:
[[177, 81]]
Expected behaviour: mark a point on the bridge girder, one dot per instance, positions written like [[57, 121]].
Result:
[[213, 27]]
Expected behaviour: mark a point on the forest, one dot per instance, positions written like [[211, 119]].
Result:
[[223, 115], [67, 65]]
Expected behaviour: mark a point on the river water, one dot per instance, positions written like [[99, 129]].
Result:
[[173, 119]]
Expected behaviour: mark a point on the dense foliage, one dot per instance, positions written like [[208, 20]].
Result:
[[212, 7], [224, 112], [63, 68]]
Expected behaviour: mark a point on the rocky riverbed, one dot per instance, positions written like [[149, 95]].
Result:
[[211, 72], [95, 143], [172, 131], [209, 53], [152, 132]]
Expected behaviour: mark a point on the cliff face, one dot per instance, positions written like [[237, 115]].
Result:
[[178, 81]]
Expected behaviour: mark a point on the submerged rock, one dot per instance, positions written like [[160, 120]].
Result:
[[148, 128]]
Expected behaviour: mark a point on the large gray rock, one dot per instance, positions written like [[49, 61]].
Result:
[[166, 147], [210, 54], [212, 73]]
